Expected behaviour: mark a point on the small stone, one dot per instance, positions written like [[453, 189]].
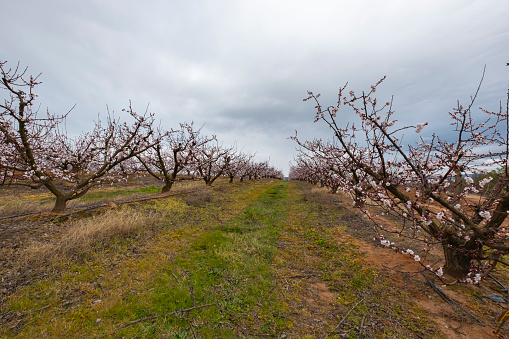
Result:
[[97, 321]]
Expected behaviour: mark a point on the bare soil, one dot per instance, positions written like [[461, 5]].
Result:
[[405, 272]]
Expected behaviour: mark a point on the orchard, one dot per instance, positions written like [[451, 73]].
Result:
[[431, 186], [36, 151]]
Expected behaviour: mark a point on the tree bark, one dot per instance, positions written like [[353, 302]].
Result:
[[458, 261], [60, 204], [167, 187]]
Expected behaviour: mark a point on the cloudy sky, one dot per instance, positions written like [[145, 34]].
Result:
[[242, 67]]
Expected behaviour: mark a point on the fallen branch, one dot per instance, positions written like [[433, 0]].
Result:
[[281, 291], [362, 325], [120, 203], [154, 317], [37, 310], [174, 276], [348, 313]]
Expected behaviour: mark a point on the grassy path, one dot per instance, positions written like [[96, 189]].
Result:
[[263, 259]]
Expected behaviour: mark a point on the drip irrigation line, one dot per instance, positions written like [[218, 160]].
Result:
[[502, 262], [503, 289], [120, 203], [93, 207], [447, 299], [18, 215]]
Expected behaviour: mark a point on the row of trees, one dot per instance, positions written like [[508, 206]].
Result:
[[186, 150], [428, 186], [36, 151]]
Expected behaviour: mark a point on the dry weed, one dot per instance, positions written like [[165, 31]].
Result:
[[19, 206], [84, 235]]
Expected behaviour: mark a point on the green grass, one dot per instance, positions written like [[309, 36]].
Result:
[[104, 194], [210, 263]]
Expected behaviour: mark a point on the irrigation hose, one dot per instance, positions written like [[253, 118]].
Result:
[[447, 299]]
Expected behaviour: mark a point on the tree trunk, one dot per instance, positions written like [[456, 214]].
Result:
[[60, 204], [167, 187], [231, 180], [457, 261]]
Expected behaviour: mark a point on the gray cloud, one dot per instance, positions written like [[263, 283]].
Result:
[[242, 68]]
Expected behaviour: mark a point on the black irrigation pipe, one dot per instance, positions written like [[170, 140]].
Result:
[[18, 215], [502, 262], [446, 298], [119, 203], [503, 289], [93, 207]]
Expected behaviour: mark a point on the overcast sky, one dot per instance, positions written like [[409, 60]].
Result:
[[242, 67]]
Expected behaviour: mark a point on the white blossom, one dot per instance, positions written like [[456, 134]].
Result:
[[485, 214], [485, 181], [420, 126]]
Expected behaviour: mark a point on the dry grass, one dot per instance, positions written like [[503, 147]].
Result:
[[84, 235], [19, 206], [19, 201]]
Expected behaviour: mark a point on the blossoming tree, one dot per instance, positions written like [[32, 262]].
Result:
[[35, 151], [211, 160], [428, 186], [238, 166], [165, 160]]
